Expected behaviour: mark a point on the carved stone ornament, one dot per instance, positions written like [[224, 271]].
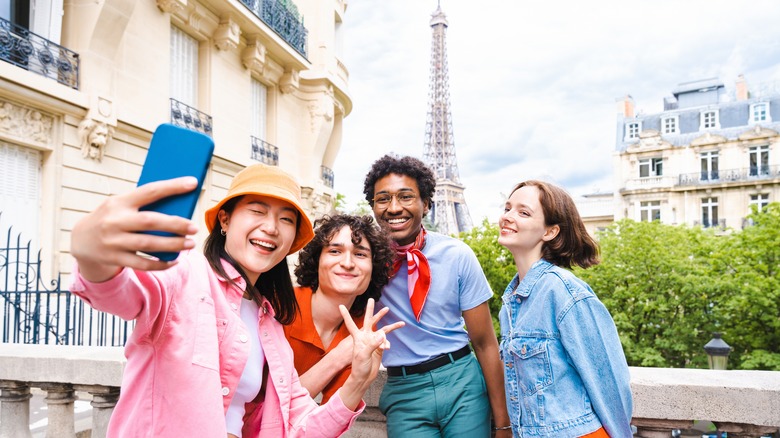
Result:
[[226, 37], [25, 123], [172, 6], [289, 82], [321, 108], [94, 136], [253, 56]]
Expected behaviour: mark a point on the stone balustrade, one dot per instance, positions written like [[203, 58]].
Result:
[[742, 403]]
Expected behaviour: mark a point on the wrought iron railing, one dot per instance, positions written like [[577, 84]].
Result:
[[35, 53], [264, 152], [752, 173], [327, 176], [36, 311], [284, 22], [188, 117]]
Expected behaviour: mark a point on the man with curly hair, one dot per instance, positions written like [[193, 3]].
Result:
[[435, 386], [347, 262]]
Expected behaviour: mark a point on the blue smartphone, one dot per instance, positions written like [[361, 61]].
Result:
[[175, 152]]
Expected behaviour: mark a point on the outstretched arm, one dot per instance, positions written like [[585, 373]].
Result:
[[316, 378], [480, 327], [366, 353], [107, 239]]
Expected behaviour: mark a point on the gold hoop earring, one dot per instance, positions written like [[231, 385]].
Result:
[[223, 232]]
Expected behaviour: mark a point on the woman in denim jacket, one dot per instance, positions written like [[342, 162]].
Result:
[[566, 374]]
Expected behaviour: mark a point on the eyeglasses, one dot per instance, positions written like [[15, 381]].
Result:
[[406, 199]]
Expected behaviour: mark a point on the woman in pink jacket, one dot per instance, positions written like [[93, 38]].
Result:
[[208, 356]]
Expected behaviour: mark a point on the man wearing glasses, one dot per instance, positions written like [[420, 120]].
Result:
[[435, 386]]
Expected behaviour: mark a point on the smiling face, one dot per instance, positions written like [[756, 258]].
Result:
[[403, 223], [345, 268], [259, 233], [522, 226]]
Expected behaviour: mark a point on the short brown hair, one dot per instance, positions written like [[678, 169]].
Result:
[[573, 245]]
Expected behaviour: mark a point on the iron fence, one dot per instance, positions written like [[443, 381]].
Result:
[[188, 117], [39, 311], [264, 152], [34, 53], [283, 18]]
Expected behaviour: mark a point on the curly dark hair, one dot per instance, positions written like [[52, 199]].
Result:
[[363, 227], [408, 166]]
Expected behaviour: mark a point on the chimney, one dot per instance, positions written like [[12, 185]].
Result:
[[625, 106], [741, 88]]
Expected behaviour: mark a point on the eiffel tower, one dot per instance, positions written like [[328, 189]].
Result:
[[449, 213]]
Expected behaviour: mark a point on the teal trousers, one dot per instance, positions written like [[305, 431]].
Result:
[[448, 402]]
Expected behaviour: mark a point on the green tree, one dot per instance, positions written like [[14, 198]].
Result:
[[656, 281], [749, 309], [496, 261]]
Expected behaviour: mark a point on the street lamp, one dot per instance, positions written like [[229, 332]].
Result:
[[717, 352]]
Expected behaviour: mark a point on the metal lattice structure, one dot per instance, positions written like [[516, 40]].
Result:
[[449, 213]]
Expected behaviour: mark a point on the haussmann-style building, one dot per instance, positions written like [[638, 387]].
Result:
[[84, 84], [708, 158]]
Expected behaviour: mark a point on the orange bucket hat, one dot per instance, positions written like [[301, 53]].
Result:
[[259, 179]]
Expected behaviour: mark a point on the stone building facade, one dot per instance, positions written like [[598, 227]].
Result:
[[84, 84], [705, 160]]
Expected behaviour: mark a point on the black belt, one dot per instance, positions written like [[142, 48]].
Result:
[[430, 364]]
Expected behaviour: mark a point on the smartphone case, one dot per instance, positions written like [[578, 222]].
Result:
[[175, 152]]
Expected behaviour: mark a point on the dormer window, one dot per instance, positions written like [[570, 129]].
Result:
[[670, 125], [709, 120], [632, 130], [759, 112]]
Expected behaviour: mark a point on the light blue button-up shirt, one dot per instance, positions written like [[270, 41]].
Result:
[[566, 374]]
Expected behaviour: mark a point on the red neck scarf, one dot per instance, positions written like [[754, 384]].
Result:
[[419, 273]]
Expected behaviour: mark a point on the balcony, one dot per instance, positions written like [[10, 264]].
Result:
[[282, 19], [748, 174], [36, 54], [742, 403], [188, 117], [327, 176], [650, 182], [264, 152]]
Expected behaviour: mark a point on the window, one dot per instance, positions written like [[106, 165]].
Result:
[[759, 112], [43, 17], [650, 211], [184, 67], [338, 38], [258, 109], [651, 167], [20, 191], [669, 125], [632, 130], [709, 165], [760, 200], [709, 212], [759, 160], [709, 120]]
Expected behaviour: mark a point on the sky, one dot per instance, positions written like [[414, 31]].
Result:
[[534, 84]]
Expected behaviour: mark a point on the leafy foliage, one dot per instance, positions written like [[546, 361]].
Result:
[[496, 261]]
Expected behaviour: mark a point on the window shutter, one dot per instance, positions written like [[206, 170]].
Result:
[[184, 67], [20, 191]]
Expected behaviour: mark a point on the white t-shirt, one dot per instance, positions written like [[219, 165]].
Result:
[[252, 378]]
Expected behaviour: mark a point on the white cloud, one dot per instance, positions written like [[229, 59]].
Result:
[[533, 84]]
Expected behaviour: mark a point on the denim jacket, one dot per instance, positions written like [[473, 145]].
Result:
[[565, 371]]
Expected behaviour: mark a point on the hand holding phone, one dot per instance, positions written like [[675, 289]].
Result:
[[175, 152]]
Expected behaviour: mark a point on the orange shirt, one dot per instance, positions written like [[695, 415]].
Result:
[[601, 433], [307, 345]]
